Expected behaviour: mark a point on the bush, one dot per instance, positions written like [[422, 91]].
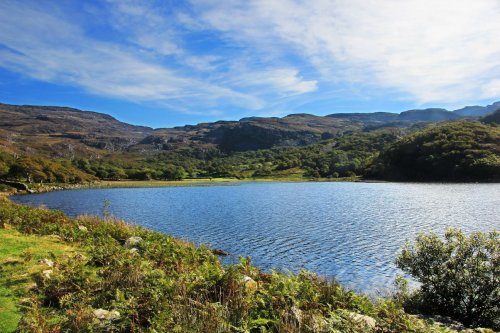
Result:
[[167, 285], [459, 276]]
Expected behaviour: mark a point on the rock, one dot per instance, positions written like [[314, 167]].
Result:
[[250, 283], [57, 237], [83, 228], [133, 250], [102, 314], [31, 286], [444, 321], [366, 322], [46, 273], [482, 330], [219, 252], [6, 226], [46, 262], [80, 257], [317, 323], [133, 241], [11, 261], [297, 314], [25, 301]]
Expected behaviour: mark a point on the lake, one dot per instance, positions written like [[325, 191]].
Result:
[[351, 231]]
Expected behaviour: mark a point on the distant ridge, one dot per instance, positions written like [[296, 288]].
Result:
[[417, 115], [67, 131], [477, 111]]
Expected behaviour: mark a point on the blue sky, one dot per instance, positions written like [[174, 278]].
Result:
[[171, 62]]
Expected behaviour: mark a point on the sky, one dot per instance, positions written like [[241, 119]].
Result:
[[172, 62]]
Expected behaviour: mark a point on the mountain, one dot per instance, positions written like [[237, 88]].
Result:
[[67, 132], [419, 115], [61, 129], [492, 118], [427, 115], [477, 111], [375, 118], [64, 132]]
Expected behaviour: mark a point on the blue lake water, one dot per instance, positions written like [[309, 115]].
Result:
[[351, 231]]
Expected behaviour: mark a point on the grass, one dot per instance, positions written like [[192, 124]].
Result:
[[286, 176], [19, 258], [212, 181], [165, 183], [164, 285]]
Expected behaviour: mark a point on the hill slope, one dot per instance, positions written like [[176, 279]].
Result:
[[53, 144], [454, 151], [67, 132]]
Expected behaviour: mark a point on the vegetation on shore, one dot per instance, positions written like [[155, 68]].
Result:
[[458, 151], [61, 145], [107, 276], [454, 151], [20, 256]]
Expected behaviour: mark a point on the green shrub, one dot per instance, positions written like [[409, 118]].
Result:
[[459, 276], [167, 285]]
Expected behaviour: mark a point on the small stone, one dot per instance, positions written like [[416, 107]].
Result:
[[31, 286], [365, 321], [133, 250], [102, 314], [250, 283], [11, 261], [25, 301], [80, 257], [219, 252], [297, 314], [46, 273], [83, 228], [47, 262], [317, 323], [132, 241], [55, 237]]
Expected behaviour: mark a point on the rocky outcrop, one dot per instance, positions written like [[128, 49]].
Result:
[[17, 185], [102, 314], [363, 322], [132, 241], [46, 262]]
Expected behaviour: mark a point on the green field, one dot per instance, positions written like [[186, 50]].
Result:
[[19, 259]]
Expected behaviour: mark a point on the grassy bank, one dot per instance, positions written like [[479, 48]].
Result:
[[48, 187], [20, 257], [113, 277], [210, 181]]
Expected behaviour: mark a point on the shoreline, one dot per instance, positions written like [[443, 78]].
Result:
[[72, 241], [198, 182]]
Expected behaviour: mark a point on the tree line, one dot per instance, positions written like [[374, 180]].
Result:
[[454, 151]]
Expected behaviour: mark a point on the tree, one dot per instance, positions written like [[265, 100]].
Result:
[[172, 172], [26, 168], [460, 276]]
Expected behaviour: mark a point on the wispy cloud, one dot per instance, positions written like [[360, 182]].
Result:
[[433, 51], [48, 46], [264, 56]]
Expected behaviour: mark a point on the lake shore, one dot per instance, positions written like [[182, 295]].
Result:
[[49, 187], [138, 262]]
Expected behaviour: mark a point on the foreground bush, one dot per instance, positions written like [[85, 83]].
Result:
[[128, 279], [460, 276]]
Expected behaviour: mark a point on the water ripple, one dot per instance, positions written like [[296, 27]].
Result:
[[351, 231]]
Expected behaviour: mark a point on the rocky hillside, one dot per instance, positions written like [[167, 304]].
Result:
[[67, 132]]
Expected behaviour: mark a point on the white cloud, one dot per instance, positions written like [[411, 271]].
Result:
[[491, 89], [432, 50], [259, 54], [48, 46], [287, 81]]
